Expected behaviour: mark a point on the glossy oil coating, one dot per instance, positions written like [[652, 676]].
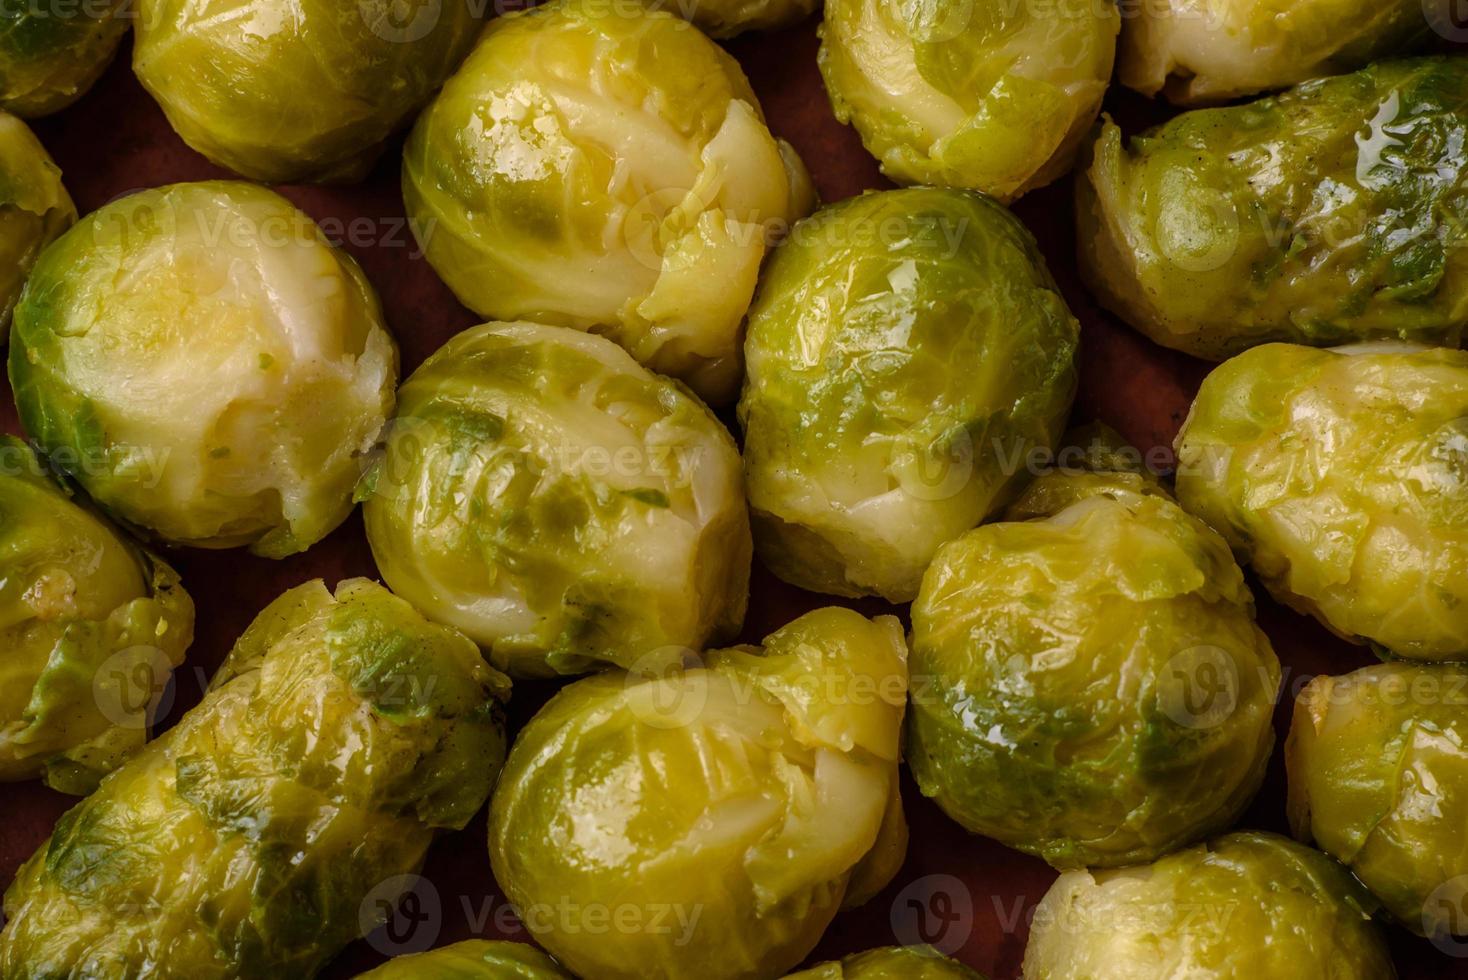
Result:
[[257, 369], [1342, 477], [473, 959], [1334, 212], [34, 209], [560, 504], [338, 735], [891, 963], [53, 51]]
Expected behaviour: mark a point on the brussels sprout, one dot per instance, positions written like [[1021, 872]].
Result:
[[305, 91], [559, 503], [1334, 212], [473, 959], [1197, 51], [995, 97], [34, 208], [605, 167], [708, 822], [249, 840], [891, 963], [1089, 683], [1342, 477], [206, 366], [90, 625], [1378, 767], [53, 51], [1241, 907], [906, 352]]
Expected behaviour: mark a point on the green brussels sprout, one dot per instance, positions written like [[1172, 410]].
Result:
[[53, 51], [305, 91], [1340, 476], [250, 839], [891, 963], [473, 959], [1378, 779], [708, 822], [995, 97], [90, 626], [1198, 51], [34, 208], [1090, 686], [560, 504], [907, 350], [1306, 217], [254, 365], [1241, 907], [608, 168]]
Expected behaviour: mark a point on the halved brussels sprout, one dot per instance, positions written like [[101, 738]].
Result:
[[473, 959], [90, 626], [1334, 212], [605, 167], [560, 504], [1196, 51], [891, 963], [1241, 907], [34, 208], [1089, 684], [708, 822], [1378, 766], [254, 837], [206, 365], [1342, 477], [991, 96], [305, 91], [53, 51], [907, 352]]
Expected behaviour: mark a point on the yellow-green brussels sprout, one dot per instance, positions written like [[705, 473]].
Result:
[[1340, 476], [991, 96], [891, 963], [206, 365], [559, 503], [1242, 907], [708, 822], [53, 51], [1094, 688], [34, 208], [473, 959], [255, 837], [908, 350], [299, 91], [90, 626], [1333, 212], [1196, 51], [605, 167]]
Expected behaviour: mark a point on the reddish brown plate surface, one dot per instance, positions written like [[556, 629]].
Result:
[[965, 894]]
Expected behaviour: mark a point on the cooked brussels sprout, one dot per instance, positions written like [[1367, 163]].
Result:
[[1095, 690], [1241, 907], [1378, 766], [53, 51], [305, 91], [907, 351], [337, 735], [708, 822], [34, 208], [206, 366], [90, 625], [891, 963], [473, 959], [1334, 212], [995, 97], [1196, 51], [1342, 477], [560, 504], [605, 167]]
